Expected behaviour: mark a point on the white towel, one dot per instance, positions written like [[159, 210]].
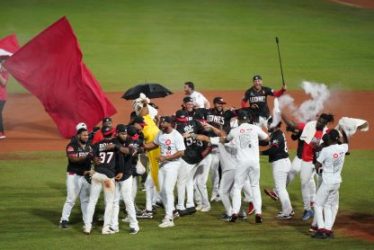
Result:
[[309, 131], [351, 125]]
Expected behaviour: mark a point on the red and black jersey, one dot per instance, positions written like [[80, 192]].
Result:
[[194, 148], [111, 161], [260, 98], [220, 119], [75, 150], [278, 146]]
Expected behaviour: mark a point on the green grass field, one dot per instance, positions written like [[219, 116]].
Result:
[[217, 44], [33, 192]]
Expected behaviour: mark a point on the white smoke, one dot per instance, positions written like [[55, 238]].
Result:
[[309, 109]]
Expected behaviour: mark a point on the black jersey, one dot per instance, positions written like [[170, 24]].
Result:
[[194, 148], [127, 160], [111, 161], [260, 98], [74, 149], [220, 119], [278, 146]]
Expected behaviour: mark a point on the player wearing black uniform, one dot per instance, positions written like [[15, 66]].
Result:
[[109, 165], [124, 185], [79, 155], [256, 96], [192, 159], [281, 164]]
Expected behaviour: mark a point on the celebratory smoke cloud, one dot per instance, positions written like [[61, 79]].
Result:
[[309, 109]]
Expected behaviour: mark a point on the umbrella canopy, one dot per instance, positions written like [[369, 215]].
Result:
[[151, 90]]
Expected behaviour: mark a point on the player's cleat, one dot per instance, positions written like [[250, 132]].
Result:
[[2, 135], [271, 194], [258, 218], [243, 215], [167, 223], [205, 209], [133, 230], [307, 215], [64, 224], [115, 230], [215, 197], [126, 219], [320, 234], [282, 216], [158, 204], [251, 208], [183, 212], [107, 230], [226, 217], [234, 217], [313, 229], [191, 210], [86, 230], [175, 214], [145, 215], [199, 207]]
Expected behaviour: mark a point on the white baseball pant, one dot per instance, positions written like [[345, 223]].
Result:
[[75, 185], [226, 188], [245, 169], [295, 169], [185, 178], [326, 199], [214, 172], [167, 180], [98, 182], [201, 177], [308, 185], [124, 189], [281, 169]]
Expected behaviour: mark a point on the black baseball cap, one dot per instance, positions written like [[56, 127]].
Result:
[[131, 130], [181, 114], [187, 99], [121, 128], [256, 77], [139, 120], [107, 119], [219, 100], [167, 119], [243, 115], [107, 131]]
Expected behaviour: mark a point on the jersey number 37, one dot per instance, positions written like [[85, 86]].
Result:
[[106, 157]]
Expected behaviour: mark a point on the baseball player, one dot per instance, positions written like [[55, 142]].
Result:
[[124, 185], [172, 147], [194, 157], [98, 136], [218, 117], [281, 164], [109, 165], [198, 99], [256, 97], [79, 154], [246, 140], [330, 162], [311, 136]]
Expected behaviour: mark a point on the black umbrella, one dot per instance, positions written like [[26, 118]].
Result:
[[151, 90]]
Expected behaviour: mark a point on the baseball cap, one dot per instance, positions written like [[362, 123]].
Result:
[[243, 115], [187, 99], [121, 128], [107, 131], [132, 132], [256, 77], [107, 119], [200, 114], [80, 126], [167, 119], [219, 100], [139, 120], [181, 114]]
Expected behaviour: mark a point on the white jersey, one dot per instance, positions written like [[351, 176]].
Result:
[[227, 154], [245, 138], [198, 99], [332, 160], [170, 143]]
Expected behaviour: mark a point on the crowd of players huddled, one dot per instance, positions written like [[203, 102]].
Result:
[[198, 141]]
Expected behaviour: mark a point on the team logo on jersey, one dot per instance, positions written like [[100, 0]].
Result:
[[335, 155], [168, 142], [242, 130]]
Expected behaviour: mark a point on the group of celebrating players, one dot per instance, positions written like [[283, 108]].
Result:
[[184, 148]]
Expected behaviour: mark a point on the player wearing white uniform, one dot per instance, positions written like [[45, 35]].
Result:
[[199, 99], [246, 140], [172, 147], [330, 161], [78, 152]]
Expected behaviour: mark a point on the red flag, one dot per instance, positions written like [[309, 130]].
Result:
[[50, 66]]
